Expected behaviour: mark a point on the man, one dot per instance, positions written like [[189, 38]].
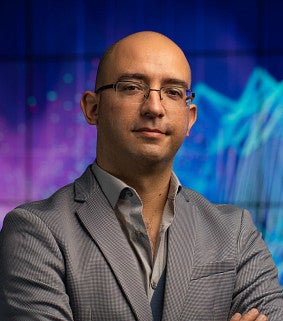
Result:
[[126, 241]]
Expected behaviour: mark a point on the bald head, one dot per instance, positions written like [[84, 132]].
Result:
[[146, 46]]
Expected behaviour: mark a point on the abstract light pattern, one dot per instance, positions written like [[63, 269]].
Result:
[[233, 154]]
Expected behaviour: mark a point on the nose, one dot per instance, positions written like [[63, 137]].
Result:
[[152, 107]]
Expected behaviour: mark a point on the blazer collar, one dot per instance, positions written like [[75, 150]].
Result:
[[100, 220]]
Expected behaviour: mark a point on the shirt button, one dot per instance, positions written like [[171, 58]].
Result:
[[153, 285], [123, 194], [126, 193], [138, 233], [129, 193]]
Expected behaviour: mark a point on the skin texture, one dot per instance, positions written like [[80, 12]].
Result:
[[138, 143]]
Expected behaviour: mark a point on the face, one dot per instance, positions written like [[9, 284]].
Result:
[[146, 133]]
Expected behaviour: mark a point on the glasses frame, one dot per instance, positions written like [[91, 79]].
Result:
[[190, 97]]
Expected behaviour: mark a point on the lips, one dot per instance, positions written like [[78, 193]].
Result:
[[150, 130], [151, 133]]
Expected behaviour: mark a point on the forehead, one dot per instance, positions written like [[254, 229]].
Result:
[[155, 57]]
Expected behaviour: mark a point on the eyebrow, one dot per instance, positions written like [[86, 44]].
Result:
[[132, 76], [144, 78]]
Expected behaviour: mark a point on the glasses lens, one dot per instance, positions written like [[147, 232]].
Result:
[[133, 92], [174, 96]]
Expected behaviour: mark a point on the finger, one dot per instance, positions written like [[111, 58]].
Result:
[[254, 315], [236, 317], [251, 315], [262, 317]]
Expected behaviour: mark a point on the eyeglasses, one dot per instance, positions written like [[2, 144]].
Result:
[[137, 93]]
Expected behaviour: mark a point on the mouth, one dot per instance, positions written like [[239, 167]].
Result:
[[151, 132]]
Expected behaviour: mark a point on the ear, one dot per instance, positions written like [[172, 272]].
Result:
[[89, 106], [192, 117]]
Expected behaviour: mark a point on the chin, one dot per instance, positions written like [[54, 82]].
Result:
[[150, 159]]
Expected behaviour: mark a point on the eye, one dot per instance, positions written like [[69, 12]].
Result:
[[129, 88], [175, 93]]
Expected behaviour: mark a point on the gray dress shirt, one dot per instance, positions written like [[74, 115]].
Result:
[[127, 205]]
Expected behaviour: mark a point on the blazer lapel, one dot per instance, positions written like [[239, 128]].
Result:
[[181, 243], [100, 220]]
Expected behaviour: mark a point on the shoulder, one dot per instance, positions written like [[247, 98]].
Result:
[[203, 204], [226, 230], [224, 220], [59, 208]]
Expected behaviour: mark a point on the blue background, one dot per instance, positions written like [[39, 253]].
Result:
[[49, 55]]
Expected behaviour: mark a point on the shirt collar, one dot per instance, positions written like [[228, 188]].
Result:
[[110, 185], [113, 186]]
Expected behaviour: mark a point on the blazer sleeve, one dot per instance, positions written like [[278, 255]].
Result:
[[31, 271], [257, 277]]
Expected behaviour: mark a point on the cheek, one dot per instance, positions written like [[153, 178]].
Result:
[[115, 120], [182, 122]]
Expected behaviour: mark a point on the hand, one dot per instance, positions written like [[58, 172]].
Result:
[[252, 315]]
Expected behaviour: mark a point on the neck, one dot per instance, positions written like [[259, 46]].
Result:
[[152, 184], [149, 178]]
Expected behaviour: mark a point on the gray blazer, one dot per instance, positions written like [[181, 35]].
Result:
[[66, 258]]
